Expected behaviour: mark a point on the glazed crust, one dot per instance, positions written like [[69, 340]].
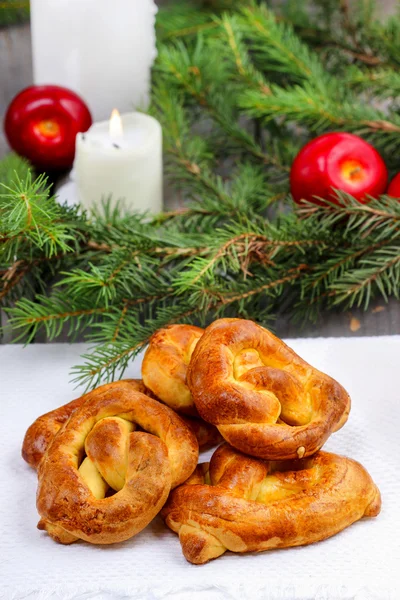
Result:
[[141, 466], [243, 504], [42, 431], [165, 365], [44, 428], [265, 400], [207, 435]]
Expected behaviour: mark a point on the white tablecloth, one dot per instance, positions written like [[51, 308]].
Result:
[[361, 563]]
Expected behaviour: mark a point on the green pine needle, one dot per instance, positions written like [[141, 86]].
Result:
[[238, 89]]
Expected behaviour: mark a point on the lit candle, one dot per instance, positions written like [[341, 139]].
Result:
[[121, 158], [100, 49]]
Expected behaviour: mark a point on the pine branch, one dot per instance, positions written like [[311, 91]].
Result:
[[378, 273], [186, 18], [231, 99], [11, 165], [244, 268], [352, 29], [194, 74], [111, 359], [183, 19], [306, 106], [27, 317], [321, 102], [277, 48], [380, 217], [190, 167], [381, 82], [249, 75], [13, 11], [30, 216]]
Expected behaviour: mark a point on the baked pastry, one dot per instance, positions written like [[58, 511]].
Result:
[[164, 370], [206, 434], [43, 430], [265, 400], [165, 364], [243, 504], [102, 481]]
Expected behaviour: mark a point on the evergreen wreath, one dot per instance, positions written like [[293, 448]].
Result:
[[238, 90]]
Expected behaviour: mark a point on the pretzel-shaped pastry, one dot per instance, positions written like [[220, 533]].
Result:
[[42, 431], [265, 400], [140, 466], [164, 371], [44, 428], [165, 365], [243, 504]]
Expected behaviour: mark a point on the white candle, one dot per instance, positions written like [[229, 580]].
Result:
[[121, 158], [100, 49]]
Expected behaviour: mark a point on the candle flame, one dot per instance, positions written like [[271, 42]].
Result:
[[116, 129]]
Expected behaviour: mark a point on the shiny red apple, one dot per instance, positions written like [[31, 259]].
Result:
[[41, 124], [394, 187], [337, 161]]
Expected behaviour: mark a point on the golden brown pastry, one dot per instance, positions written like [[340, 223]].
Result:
[[164, 370], [98, 452], [265, 400], [243, 504], [43, 430], [165, 364], [206, 434]]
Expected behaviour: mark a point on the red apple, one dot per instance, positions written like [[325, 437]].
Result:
[[394, 187], [337, 160], [41, 124]]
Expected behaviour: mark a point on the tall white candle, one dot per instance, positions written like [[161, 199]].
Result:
[[121, 158], [101, 49]]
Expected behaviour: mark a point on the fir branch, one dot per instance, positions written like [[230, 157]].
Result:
[[277, 48], [382, 82], [182, 19], [110, 360], [12, 276], [11, 165], [230, 100], [13, 11], [351, 29], [295, 274], [231, 25], [29, 216], [306, 106], [190, 72], [185, 18], [380, 216], [379, 272], [27, 317], [321, 102]]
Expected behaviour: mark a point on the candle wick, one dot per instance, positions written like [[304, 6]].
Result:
[[116, 146]]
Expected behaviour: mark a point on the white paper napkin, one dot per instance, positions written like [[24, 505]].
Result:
[[360, 563]]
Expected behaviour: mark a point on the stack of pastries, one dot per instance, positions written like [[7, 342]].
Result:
[[110, 461]]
